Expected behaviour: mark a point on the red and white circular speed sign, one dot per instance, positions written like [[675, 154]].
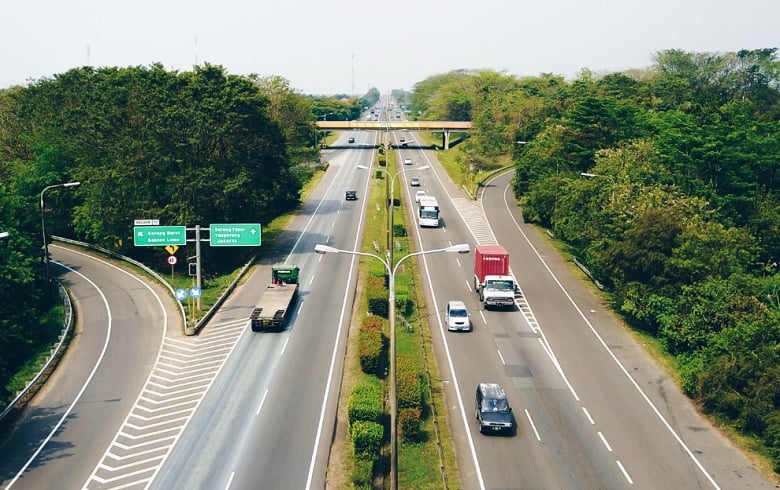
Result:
[[172, 260]]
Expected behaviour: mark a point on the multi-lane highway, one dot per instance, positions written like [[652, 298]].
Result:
[[138, 405], [593, 410], [267, 421]]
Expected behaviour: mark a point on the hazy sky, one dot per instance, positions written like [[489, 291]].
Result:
[[349, 46]]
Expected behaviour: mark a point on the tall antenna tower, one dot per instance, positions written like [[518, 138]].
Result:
[[195, 47]]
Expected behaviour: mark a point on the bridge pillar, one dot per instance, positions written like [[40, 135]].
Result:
[[446, 139]]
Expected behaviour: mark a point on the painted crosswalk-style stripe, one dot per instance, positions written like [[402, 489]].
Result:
[[182, 375]]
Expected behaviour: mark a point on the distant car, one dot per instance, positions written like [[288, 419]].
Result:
[[351, 139], [418, 195], [350, 195], [415, 182], [457, 316], [407, 160], [493, 410]]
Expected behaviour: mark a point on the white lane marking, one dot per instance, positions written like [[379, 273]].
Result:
[[284, 346], [625, 473], [604, 440], [334, 353], [587, 414], [262, 401], [548, 350], [593, 330], [59, 423], [230, 480], [501, 357], [533, 426], [456, 385]]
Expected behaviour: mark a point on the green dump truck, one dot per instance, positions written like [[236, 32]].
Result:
[[276, 304]]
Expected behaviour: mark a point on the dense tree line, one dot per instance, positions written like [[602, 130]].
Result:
[[679, 213], [185, 148]]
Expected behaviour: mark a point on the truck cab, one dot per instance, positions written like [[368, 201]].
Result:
[[284, 274], [498, 291]]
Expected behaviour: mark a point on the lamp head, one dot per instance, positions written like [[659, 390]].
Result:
[[461, 248], [323, 249]]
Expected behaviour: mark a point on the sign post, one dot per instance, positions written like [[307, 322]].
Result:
[[172, 262]]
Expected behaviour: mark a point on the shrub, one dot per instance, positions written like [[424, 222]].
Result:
[[409, 422], [408, 383], [372, 344], [363, 471], [367, 438], [365, 403], [377, 295]]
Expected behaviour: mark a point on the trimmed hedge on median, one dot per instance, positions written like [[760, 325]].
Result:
[[372, 346], [365, 403]]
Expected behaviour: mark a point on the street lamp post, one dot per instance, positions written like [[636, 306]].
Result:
[[43, 225], [392, 201], [611, 180], [462, 248]]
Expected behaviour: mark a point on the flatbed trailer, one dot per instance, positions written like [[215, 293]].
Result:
[[276, 304]]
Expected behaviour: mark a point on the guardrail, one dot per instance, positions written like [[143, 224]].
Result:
[[588, 273], [188, 329], [481, 182], [54, 357], [56, 354], [121, 257]]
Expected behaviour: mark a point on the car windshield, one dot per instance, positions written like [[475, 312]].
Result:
[[494, 405], [501, 285], [458, 313]]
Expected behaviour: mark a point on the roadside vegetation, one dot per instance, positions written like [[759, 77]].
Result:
[[189, 148], [663, 181]]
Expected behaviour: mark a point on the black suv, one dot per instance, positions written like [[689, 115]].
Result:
[[350, 196], [493, 410]]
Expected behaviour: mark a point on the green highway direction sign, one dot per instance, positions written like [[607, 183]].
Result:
[[159, 236], [234, 235]]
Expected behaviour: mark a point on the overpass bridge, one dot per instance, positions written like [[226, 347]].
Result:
[[444, 127]]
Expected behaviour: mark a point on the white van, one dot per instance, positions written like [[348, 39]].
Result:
[[457, 316]]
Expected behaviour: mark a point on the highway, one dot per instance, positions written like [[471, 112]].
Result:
[[142, 406], [267, 421], [121, 322], [593, 410]]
